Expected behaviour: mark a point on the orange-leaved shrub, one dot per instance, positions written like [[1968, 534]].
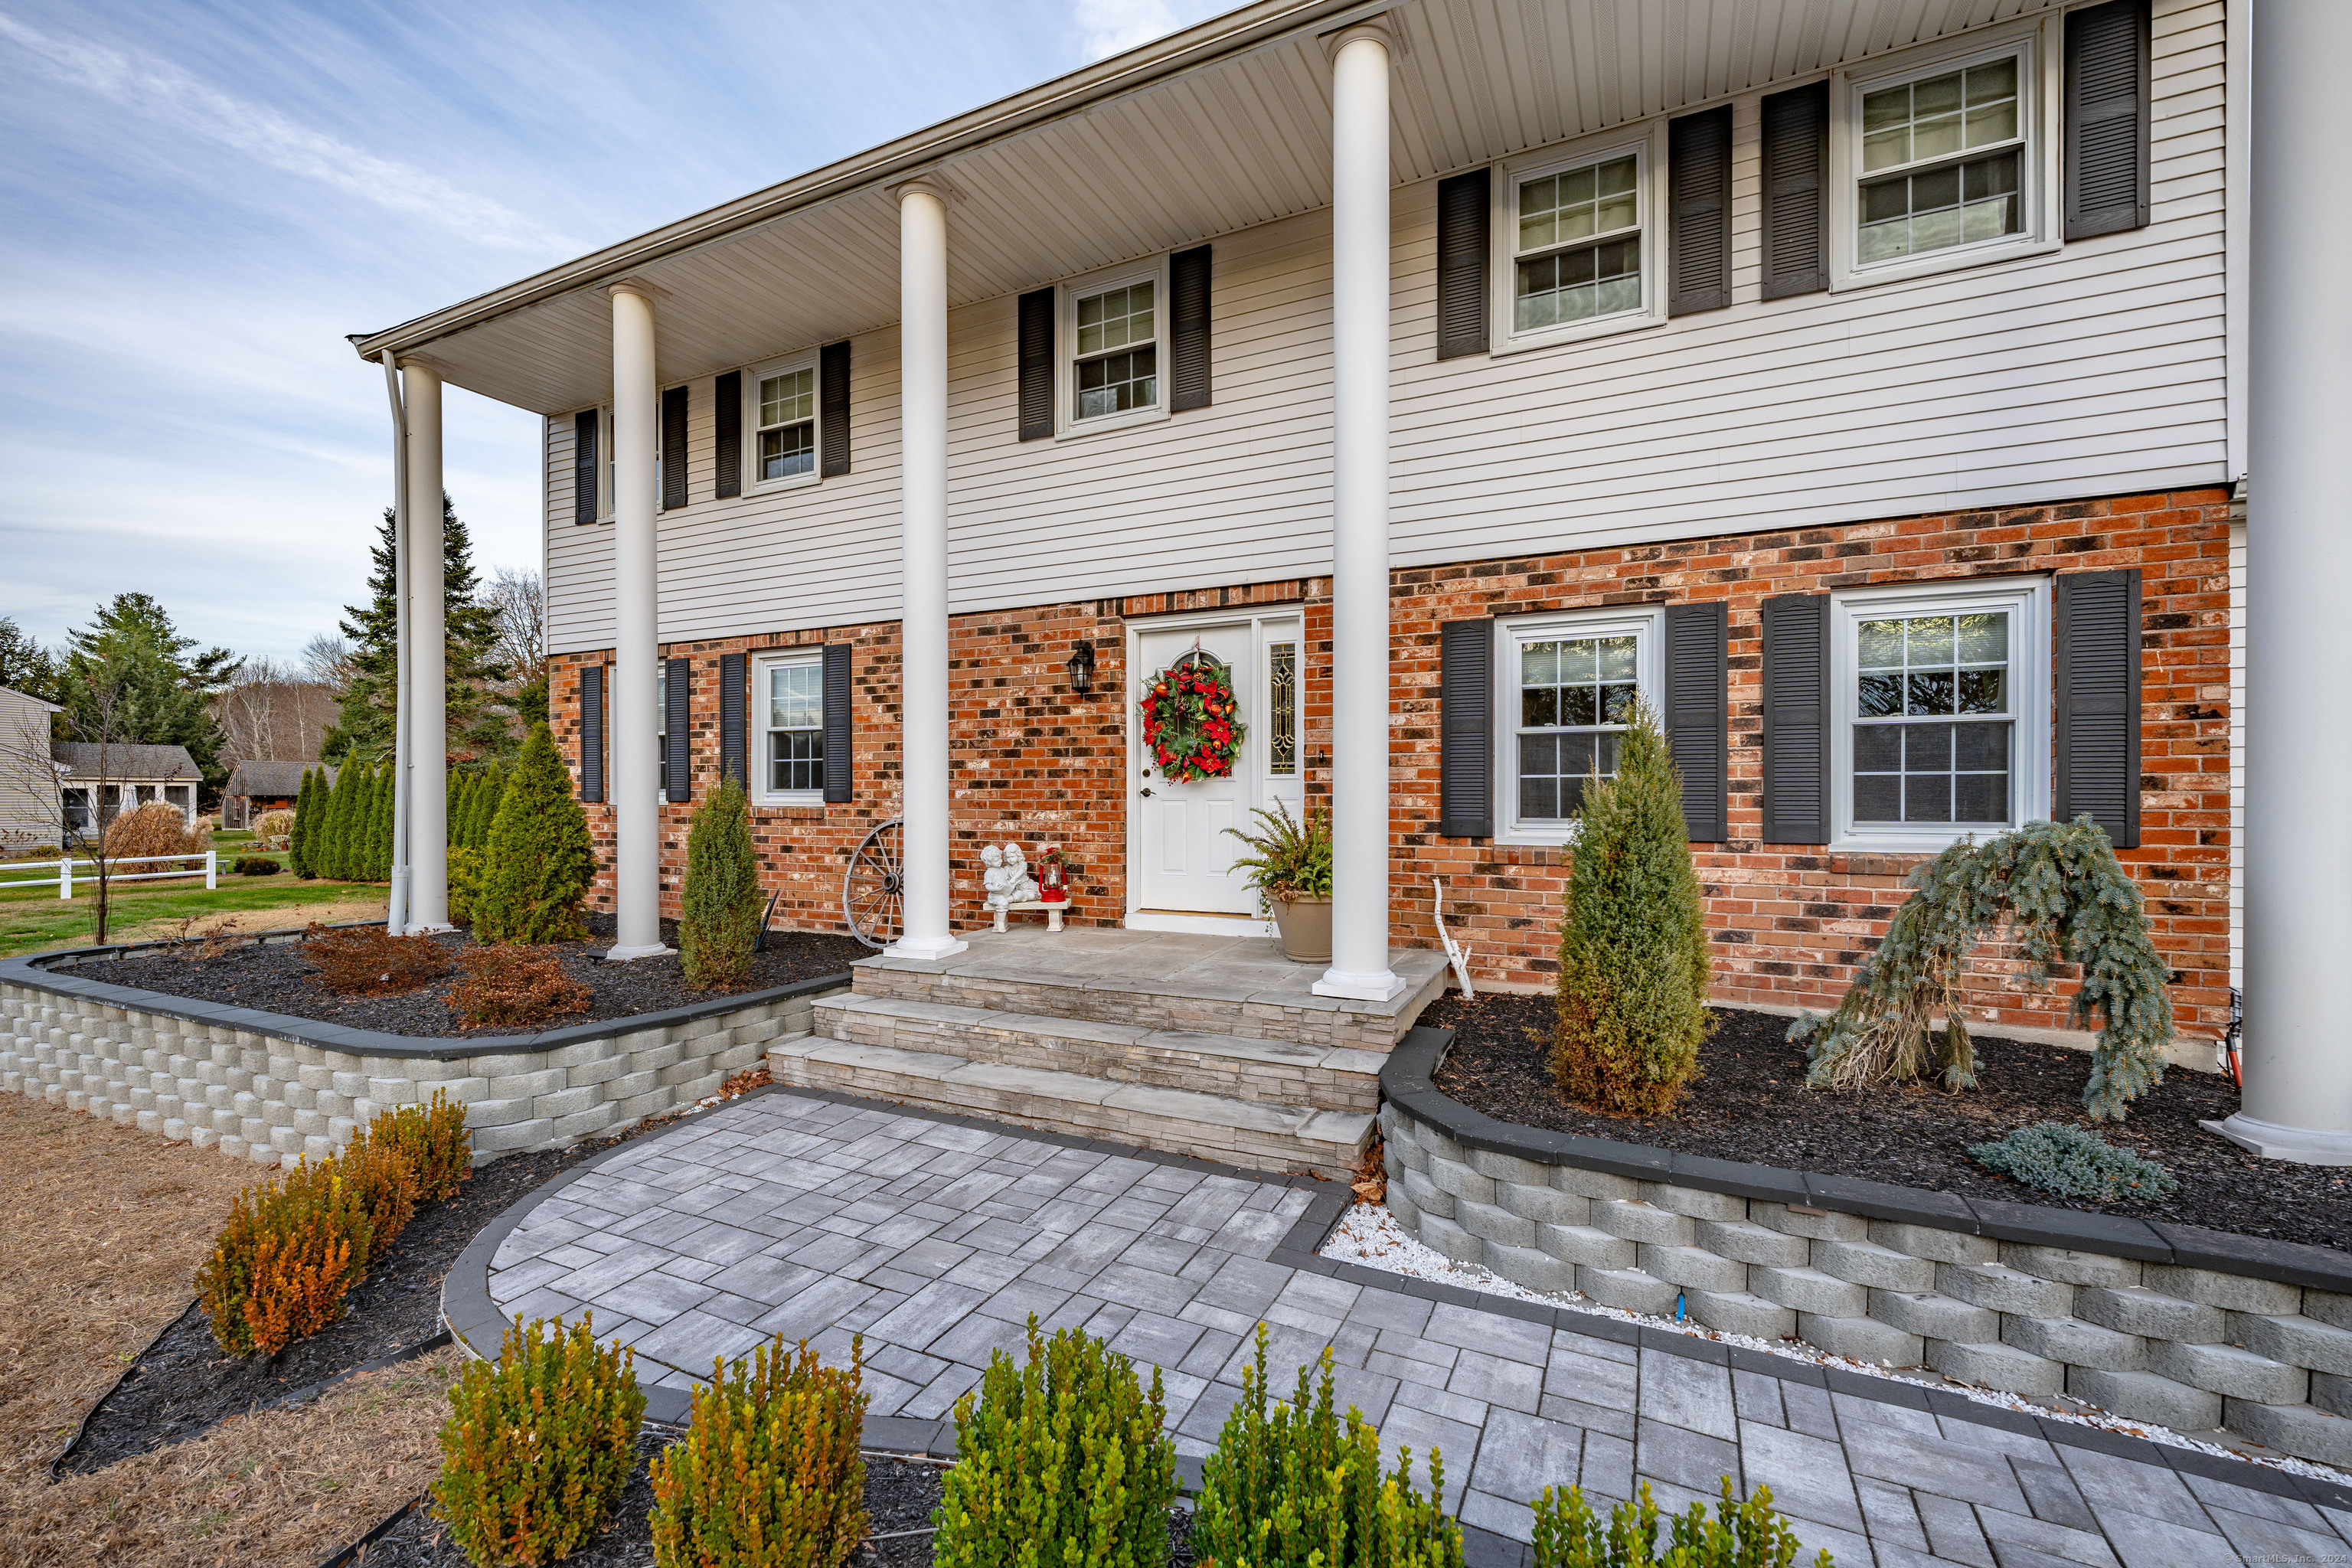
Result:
[[768, 1475], [538, 1445], [292, 1250], [369, 960], [383, 1182], [433, 1139], [509, 985]]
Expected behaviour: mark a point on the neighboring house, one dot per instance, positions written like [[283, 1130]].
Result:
[[99, 783], [257, 786], [1863, 392], [28, 779]]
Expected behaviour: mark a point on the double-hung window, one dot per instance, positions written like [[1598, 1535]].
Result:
[[1113, 338], [782, 419], [1941, 695], [661, 727], [1566, 690], [788, 706], [1579, 241]]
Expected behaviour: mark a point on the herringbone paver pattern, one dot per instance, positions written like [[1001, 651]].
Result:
[[936, 1240]]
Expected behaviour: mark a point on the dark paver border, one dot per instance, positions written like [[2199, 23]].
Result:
[[474, 1320], [38, 971], [1405, 1078]]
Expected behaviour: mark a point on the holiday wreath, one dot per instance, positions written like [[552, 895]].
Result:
[[1190, 719]]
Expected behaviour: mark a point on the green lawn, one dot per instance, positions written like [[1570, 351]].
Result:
[[32, 921]]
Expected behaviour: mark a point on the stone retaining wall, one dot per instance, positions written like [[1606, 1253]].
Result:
[[266, 1087], [2194, 1329]]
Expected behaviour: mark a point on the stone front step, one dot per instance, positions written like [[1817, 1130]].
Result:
[[1183, 1122], [1253, 995], [1267, 1071]]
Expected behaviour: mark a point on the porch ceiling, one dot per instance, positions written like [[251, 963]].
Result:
[[1217, 128]]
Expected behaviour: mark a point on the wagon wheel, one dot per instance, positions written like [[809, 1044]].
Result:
[[872, 889]]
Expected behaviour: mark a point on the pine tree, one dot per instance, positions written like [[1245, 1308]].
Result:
[[721, 901], [306, 816], [540, 861], [364, 727], [159, 691], [1633, 961]]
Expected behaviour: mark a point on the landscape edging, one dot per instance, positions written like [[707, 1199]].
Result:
[[2188, 1328]]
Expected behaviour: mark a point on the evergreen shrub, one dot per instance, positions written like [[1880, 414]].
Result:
[[433, 1140], [509, 985], [1290, 1487], [254, 865], [539, 862], [1749, 1534], [1633, 961], [2067, 901], [768, 1475], [720, 906], [292, 1250], [2074, 1162], [1060, 1459], [307, 808], [333, 847], [465, 883], [383, 1183], [538, 1445]]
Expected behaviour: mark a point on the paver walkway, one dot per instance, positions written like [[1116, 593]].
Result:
[[936, 1238]]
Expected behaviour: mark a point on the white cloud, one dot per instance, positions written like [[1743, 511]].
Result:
[[167, 92], [1113, 27]]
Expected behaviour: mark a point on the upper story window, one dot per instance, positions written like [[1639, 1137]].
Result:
[[1567, 687], [782, 419], [1580, 239], [789, 697], [1948, 161], [1116, 367], [1942, 692]]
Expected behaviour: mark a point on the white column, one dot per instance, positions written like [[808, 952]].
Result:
[[633, 771], [2298, 1039], [923, 568], [428, 843], [1360, 519]]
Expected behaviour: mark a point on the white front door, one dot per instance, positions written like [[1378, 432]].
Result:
[[1182, 855]]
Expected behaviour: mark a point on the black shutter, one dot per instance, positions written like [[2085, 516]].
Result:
[[2106, 118], [592, 733], [1795, 192], [1797, 718], [1697, 711], [678, 693], [673, 448], [837, 722], [1188, 329], [583, 465], [1465, 210], [733, 672], [1465, 744], [2098, 670], [1036, 364], [726, 406], [1698, 202], [833, 408]]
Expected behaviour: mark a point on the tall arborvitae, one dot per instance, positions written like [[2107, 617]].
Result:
[[306, 816], [719, 922], [540, 861], [342, 804], [387, 780]]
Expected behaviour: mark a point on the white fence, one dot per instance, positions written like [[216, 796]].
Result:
[[60, 873]]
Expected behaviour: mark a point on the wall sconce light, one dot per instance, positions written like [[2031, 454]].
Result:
[[1082, 669]]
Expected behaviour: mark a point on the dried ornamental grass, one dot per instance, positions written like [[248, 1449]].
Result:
[[369, 960], [510, 985], [155, 828], [273, 827], [768, 1475]]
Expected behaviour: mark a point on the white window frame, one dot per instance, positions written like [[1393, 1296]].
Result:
[[2039, 46], [806, 360], [1647, 622], [1647, 142], [604, 459], [1066, 423], [2027, 600], [756, 740]]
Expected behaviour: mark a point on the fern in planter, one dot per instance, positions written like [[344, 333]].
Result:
[[2068, 901], [1290, 859]]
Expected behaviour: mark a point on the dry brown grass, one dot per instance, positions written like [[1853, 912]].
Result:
[[277, 1486], [155, 828], [105, 1228]]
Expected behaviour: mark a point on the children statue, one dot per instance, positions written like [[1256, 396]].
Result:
[[1004, 876]]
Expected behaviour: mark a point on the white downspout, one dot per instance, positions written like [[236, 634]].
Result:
[[397, 911]]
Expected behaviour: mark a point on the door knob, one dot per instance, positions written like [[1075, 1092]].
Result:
[[1147, 790]]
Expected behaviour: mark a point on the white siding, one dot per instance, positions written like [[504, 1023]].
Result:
[[28, 785], [2094, 370]]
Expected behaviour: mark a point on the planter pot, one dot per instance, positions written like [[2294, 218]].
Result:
[[1306, 927]]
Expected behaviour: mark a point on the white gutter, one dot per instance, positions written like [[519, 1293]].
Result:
[[396, 912], [1242, 32]]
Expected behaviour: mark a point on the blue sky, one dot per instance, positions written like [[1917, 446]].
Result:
[[199, 201]]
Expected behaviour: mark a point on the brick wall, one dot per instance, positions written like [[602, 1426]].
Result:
[[1790, 923]]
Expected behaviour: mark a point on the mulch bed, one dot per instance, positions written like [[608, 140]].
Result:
[[186, 1383], [277, 979], [1752, 1104]]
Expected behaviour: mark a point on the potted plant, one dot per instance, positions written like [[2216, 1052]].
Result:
[[1291, 867]]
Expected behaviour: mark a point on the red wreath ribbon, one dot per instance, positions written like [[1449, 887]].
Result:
[[1192, 723]]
